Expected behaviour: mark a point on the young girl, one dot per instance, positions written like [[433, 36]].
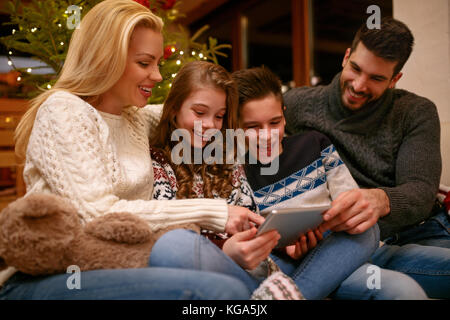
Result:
[[203, 99]]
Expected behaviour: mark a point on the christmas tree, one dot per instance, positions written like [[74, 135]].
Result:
[[43, 29]]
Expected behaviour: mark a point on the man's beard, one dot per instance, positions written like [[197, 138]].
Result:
[[345, 86]]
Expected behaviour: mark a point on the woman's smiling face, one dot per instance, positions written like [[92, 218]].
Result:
[[141, 72]]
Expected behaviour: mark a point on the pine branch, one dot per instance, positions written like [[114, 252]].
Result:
[[40, 31]]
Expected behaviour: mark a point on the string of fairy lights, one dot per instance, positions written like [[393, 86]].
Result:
[[173, 49], [177, 51], [176, 58], [33, 30]]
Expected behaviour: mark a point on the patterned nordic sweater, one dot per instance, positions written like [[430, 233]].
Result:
[[165, 184], [311, 173]]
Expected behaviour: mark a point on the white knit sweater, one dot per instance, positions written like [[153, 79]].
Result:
[[102, 163]]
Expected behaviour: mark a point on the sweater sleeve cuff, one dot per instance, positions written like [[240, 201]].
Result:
[[396, 200], [211, 214], [397, 218]]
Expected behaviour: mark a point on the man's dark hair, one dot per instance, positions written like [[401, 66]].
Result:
[[393, 41], [257, 83]]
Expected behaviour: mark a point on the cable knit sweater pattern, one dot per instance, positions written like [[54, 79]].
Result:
[[392, 144]]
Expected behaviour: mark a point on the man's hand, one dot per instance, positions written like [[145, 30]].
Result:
[[356, 210], [304, 244], [240, 218], [248, 251]]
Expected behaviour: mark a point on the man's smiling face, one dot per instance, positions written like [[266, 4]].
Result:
[[365, 77]]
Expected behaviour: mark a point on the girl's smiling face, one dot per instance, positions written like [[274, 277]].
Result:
[[204, 109]]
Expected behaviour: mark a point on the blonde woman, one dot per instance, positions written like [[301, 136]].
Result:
[[86, 139]]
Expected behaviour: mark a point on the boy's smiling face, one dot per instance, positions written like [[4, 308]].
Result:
[[266, 119]]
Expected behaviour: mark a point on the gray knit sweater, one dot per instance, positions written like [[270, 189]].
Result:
[[392, 143]]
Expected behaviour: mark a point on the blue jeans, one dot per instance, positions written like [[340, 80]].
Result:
[[423, 253], [317, 275], [125, 284], [428, 265], [393, 285], [433, 232], [323, 269]]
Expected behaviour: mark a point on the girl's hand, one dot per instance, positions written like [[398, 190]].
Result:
[[248, 251], [304, 244], [240, 219]]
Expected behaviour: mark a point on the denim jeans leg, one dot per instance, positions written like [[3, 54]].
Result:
[[442, 236], [428, 265], [125, 284], [435, 231], [330, 262], [369, 282], [188, 250]]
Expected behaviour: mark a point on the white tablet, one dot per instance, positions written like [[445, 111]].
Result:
[[292, 222]]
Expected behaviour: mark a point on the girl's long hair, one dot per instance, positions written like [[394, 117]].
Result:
[[96, 58], [217, 178]]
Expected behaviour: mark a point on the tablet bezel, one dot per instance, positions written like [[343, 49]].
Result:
[[305, 218]]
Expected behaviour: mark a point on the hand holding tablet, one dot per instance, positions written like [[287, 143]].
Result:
[[292, 222]]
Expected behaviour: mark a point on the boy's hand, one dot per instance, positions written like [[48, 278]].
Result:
[[248, 251], [304, 244]]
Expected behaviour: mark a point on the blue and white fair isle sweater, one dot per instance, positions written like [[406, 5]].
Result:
[[311, 173]]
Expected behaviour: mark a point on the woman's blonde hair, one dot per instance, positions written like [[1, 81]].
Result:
[[217, 178], [96, 58]]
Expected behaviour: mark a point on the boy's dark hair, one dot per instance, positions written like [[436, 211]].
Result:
[[257, 83], [393, 41]]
